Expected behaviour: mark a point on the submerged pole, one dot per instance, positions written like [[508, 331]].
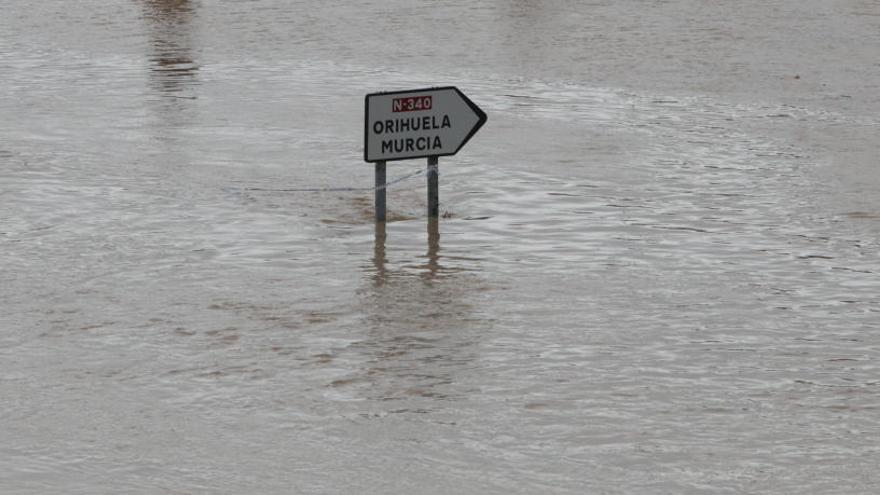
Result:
[[380, 191], [433, 187], [433, 247]]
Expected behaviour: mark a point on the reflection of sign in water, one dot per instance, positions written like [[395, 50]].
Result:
[[172, 67], [419, 123]]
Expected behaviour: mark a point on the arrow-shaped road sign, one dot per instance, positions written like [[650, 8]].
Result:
[[419, 123]]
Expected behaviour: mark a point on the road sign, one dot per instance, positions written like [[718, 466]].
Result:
[[418, 123]]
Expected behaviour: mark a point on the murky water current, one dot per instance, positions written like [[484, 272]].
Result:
[[657, 271]]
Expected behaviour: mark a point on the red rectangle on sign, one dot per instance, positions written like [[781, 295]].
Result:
[[411, 104]]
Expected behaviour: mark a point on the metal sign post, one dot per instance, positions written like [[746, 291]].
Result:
[[380, 191], [433, 187], [419, 123]]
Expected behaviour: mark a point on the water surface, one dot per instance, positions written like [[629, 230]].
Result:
[[656, 272]]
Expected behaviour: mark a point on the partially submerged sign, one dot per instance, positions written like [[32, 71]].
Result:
[[419, 123]]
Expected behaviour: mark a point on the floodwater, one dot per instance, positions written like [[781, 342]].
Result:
[[657, 270]]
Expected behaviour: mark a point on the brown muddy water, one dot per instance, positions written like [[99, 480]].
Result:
[[657, 272]]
